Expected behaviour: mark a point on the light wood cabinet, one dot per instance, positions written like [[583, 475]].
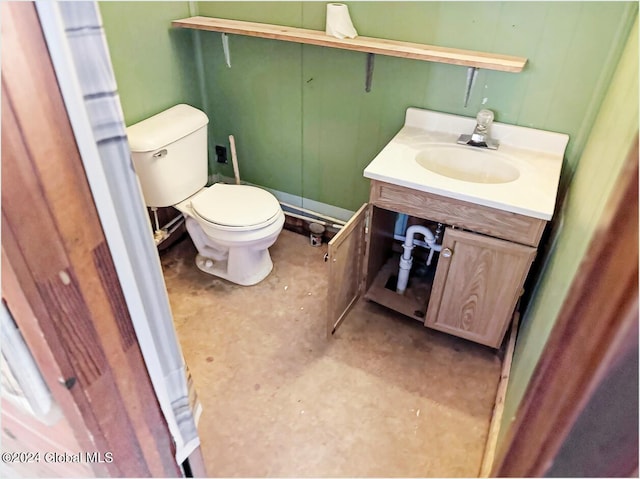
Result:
[[346, 257], [470, 291], [476, 286]]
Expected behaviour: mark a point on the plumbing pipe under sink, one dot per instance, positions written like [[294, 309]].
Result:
[[406, 260]]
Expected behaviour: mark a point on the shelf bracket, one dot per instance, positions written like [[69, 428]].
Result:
[[367, 83], [472, 73], [225, 49]]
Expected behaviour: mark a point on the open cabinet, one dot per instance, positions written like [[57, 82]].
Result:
[[473, 287]]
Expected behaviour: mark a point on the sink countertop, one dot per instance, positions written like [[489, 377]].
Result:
[[537, 154]]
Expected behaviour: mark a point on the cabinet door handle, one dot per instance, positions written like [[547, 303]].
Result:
[[447, 253]]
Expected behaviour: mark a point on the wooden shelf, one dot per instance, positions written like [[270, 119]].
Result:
[[380, 46]]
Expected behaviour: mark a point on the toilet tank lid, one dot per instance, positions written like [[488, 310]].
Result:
[[164, 128]]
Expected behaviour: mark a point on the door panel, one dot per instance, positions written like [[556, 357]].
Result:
[[59, 279], [476, 288], [380, 241], [41, 444], [346, 254]]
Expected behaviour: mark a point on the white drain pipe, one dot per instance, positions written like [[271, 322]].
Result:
[[313, 220], [313, 213], [406, 259]]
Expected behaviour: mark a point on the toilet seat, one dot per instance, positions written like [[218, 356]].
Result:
[[235, 207]]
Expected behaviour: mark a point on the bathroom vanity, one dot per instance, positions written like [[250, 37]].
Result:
[[492, 223]]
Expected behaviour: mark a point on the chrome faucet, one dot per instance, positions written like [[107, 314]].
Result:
[[481, 136]]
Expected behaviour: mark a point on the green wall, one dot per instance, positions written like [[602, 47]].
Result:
[[154, 65], [302, 120], [305, 125], [611, 138]]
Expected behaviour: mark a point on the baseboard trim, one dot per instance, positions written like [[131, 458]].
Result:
[[498, 408], [295, 200]]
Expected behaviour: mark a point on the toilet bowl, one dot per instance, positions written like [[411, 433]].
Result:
[[232, 227]]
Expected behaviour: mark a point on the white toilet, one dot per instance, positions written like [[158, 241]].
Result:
[[232, 226]]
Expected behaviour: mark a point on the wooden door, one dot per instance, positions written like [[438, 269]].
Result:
[[477, 284], [346, 258], [60, 284]]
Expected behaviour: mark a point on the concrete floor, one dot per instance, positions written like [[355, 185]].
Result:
[[384, 397]]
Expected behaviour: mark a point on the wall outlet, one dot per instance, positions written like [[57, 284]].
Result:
[[221, 154]]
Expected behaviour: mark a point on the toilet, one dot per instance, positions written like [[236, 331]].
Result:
[[232, 226]]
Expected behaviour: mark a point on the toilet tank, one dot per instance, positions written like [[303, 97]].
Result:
[[169, 152]]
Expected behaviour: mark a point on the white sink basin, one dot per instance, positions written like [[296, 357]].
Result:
[[468, 164], [521, 176]]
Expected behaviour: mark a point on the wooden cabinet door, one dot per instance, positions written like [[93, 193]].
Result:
[[477, 284], [346, 257]]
